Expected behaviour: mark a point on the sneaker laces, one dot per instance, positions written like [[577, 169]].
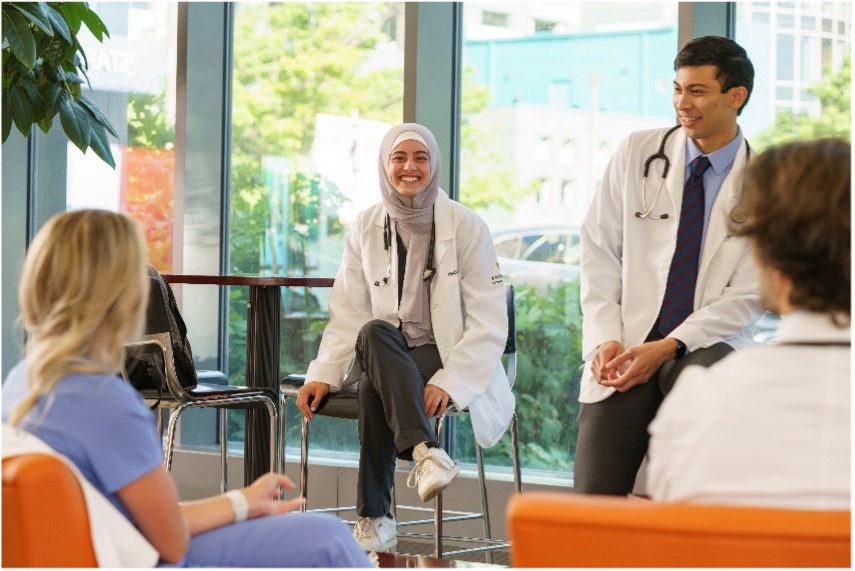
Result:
[[422, 467], [364, 527]]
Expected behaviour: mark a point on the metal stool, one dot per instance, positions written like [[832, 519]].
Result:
[[215, 393], [344, 405]]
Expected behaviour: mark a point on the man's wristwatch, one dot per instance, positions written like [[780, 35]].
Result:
[[681, 348]]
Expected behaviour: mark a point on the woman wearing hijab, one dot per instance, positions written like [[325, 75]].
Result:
[[418, 308]]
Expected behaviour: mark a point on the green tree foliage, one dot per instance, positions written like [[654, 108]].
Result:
[[834, 120], [42, 67], [549, 362], [294, 61], [147, 125]]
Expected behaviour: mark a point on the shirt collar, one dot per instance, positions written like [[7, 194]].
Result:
[[720, 159], [803, 325]]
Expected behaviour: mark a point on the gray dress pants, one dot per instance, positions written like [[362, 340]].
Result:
[[392, 418], [613, 438]]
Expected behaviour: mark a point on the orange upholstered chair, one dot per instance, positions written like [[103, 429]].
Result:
[[45, 520], [550, 529]]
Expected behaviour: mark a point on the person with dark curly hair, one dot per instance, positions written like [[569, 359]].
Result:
[[771, 426]]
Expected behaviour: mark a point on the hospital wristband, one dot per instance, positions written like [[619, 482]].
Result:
[[240, 505]]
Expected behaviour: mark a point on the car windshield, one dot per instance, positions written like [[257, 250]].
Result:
[[544, 246], [549, 248]]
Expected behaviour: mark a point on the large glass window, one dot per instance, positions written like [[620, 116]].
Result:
[[803, 95], [133, 76], [315, 88], [804, 92], [541, 118]]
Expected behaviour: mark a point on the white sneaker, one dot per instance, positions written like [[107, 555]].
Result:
[[376, 533], [433, 472]]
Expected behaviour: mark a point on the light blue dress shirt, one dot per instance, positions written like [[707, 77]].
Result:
[[721, 161]]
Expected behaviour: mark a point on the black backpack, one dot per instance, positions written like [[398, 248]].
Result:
[[144, 364]]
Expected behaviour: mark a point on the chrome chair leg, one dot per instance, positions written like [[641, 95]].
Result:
[[394, 501], [273, 418], [281, 444], [170, 435], [304, 463], [485, 510], [437, 509], [173, 424], [158, 416], [224, 476], [515, 454]]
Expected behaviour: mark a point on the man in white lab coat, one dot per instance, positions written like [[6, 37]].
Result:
[[664, 284]]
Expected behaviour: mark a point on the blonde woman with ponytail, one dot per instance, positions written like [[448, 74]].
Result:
[[79, 324], [83, 295]]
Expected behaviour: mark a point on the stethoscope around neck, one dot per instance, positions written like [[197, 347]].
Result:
[[660, 154], [387, 247]]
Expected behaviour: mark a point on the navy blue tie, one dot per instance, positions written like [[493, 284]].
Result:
[[683, 275]]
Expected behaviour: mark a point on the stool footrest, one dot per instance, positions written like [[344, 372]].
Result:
[[345, 405], [445, 519]]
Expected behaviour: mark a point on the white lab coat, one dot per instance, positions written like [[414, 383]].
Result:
[[626, 259], [468, 311], [769, 426]]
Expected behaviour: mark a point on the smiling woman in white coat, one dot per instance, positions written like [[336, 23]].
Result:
[[418, 317]]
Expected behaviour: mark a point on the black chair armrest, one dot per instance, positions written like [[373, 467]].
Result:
[[340, 405], [294, 380]]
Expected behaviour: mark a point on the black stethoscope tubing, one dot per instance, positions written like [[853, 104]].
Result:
[[660, 154], [387, 246]]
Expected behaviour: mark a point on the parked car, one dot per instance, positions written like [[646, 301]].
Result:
[[538, 257]]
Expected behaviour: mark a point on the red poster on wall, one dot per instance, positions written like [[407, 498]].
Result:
[[147, 196]]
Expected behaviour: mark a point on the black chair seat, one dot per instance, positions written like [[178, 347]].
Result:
[[212, 387], [344, 405], [338, 405], [203, 390]]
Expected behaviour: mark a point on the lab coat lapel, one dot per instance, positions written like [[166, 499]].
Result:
[[444, 230], [717, 230], [675, 150]]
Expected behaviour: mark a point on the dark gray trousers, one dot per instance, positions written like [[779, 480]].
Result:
[[613, 438], [392, 418]]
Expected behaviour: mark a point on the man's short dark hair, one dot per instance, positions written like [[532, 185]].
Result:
[[795, 208], [734, 69]]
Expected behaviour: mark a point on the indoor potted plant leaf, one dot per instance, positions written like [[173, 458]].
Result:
[[44, 68]]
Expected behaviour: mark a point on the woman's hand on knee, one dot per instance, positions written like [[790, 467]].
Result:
[[263, 495], [436, 400], [310, 397]]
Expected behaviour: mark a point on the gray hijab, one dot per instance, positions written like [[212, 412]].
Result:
[[413, 224]]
